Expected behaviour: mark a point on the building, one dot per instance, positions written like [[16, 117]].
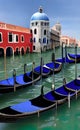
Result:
[[55, 35], [14, 39], [39, 25], [19, 40], [69, 41]]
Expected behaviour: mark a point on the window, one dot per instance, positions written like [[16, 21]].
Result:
[[41, 23], [32, 24], [35, 31], [44, 40], [44, 32], [36, 23], [15, 38], [0, 37], [10, 37], [31, 40], [33, 47], [22, 38], [34, 39]]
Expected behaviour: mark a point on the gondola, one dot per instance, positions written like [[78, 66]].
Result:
[[47, 69], [69, 58], [74, 57], [57, 66], [42, 70], [37, 105], [17, 82], [24, 80], [65, 60], [73, 85]]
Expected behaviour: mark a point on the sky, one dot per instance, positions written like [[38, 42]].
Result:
[[66, 12]]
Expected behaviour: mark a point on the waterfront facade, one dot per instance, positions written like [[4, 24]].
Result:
[[19, 40], [55, 35], [14, 39], [68, 41]]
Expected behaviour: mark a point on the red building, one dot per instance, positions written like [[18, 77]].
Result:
[[14, 39]]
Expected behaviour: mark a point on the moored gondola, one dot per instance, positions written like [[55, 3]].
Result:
[[65, 60], [74, 57], [57, 66], [17, 82], [73, 85], [36, 105]]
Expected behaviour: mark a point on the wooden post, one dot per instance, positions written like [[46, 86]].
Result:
[[24, 68], [38, 114], [42, 92], [76, 93], [69, 100], [56, 104], [14, 77], [33, 72], [65, 53], [41, 68], [75, 62], [53, 81]]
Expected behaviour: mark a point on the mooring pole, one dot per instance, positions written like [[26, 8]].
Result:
[[41, 68], [76, 93], [14, 77], [75, 62], [33, 72], [24, 68], [69, 100], [53, 81]]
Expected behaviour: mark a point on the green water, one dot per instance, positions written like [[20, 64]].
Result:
[[61, 119]]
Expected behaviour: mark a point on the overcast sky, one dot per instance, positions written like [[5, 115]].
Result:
[[67, 12]]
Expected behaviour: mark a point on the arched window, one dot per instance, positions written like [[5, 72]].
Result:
[[44, 40], [34, 39], [35, 31], [44, 32]]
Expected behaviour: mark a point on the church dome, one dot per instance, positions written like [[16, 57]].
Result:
[[39, 16]]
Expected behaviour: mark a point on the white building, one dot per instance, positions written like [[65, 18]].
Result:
[[39, 25], [44, 38]]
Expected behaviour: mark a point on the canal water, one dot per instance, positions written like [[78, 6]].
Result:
[[62, 118]]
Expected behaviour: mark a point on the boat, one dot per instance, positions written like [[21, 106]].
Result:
[[57, 66], [73, 85], [28, 78], [47, 69], [42, 70], [65, 60], [36, 105], [68, 58], [74, 57], [17, 82]]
